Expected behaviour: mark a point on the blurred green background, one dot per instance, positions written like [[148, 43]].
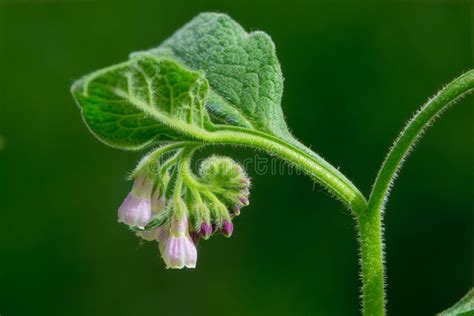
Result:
[[354, 73]]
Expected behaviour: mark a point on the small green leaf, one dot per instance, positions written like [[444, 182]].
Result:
[[464, 307], [144, 100], [246, 83]]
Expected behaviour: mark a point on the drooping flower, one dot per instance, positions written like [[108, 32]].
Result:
[[158, 204], [177, 249], [178, 220], [136, 208]]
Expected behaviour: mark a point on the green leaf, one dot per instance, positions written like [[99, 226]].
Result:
[[239, 72], [211, 68], [246, 83], [464, 307], [144, 100]]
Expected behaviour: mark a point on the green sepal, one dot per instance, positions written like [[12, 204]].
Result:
[[157, 221]]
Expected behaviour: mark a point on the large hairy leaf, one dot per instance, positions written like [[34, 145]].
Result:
[[246, 83], [211, 69], [146, 99]]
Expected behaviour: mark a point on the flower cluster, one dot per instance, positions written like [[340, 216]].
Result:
[[178, 213]]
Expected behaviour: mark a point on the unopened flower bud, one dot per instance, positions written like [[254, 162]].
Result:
[[244, 201], [206, 230], [225, 172], [227, 228], [236, 211], [245, 181]]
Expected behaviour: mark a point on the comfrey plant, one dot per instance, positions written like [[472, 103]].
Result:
[[212, 83]]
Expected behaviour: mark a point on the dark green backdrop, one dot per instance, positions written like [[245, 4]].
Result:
[[353, 74]]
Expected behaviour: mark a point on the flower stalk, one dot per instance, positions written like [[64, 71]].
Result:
[[370, 221]]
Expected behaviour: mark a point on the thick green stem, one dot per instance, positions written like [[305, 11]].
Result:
[[372, 263], [313, 165], [413, 130], [370, 221]]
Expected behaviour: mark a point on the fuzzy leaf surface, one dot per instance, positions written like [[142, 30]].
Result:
[[141, 101], [246, 83]]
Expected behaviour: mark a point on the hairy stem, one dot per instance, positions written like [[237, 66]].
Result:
[[152, 157], [370, 221], [372, 263], [313, 165], [413, 130]]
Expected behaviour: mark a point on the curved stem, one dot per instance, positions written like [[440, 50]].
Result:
[[413, 130], [370, 221], [168, 163], [154, 154], [313, 165]]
